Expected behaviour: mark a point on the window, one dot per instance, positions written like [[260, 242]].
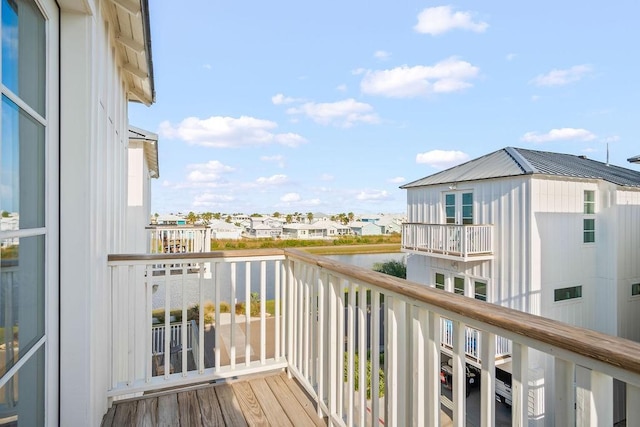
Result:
[[24, 128], [458, 285], [589, 230], [440, 281], [567, 293], [635, 289], [480, 291], [589, 202], [450, 208], [467, 208]]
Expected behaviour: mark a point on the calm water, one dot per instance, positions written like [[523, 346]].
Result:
[[191, 286]]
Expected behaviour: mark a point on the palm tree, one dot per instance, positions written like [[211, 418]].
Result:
[[276, 214], [289, 218], [351, 216], [192, 218], [310, 216]]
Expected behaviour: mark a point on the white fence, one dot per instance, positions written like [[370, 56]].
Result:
[[328, 317]]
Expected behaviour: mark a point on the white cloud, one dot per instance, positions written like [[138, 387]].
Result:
[[366, 195], [358, 71], [535, 98], [441, 19], [563, 134], [280, 99], [207, 172], [272, 180], [449, 75], [211, 199], [290, 197], [206, 66], [326, 177], [344, 113], [510, 56], [397, 180], [441, 159], [381, 55], [226, 132], [342, 88], [279, 159], [562, 77]]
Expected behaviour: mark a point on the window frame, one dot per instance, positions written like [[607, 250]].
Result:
[[569, 296]]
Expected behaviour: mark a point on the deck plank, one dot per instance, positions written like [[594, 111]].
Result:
[[189, 409], [270, 405], [107, 420], [147, 413], [168, 415], [125, 412], [229, 406], [209, 407], [294, 391], [249, 404]]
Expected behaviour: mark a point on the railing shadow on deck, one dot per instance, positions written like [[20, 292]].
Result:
[[324, 316]]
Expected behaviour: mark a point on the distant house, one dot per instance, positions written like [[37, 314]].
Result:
[[224, 230], [142, 167], [365, 228], [547, 233], [304, 231], [265, 227], [170, 219], [389, 224]]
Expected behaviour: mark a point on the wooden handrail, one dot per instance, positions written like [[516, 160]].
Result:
[[196, 255], [608, 349]]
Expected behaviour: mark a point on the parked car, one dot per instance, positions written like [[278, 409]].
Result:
[[446, 376]]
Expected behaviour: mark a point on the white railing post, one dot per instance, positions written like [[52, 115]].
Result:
[[375, 356], [487, 379], [335, 376], [594, 398], [433, 369], [633, 405], [519, 385], [564, 396], [459, 374]]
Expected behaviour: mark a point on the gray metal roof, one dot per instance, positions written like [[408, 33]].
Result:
[[150, 148], [634, 159], [512, 161]]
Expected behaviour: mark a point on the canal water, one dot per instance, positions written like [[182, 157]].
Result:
[[191, 284]]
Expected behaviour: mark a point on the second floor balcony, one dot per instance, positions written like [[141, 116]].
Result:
[[449, 241], [368, 349]]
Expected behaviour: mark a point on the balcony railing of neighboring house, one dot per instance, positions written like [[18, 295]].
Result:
[[457, 242], [326, 313], [179, 239]]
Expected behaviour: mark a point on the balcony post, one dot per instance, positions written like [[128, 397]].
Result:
[[519, 385], [594, 398], [633, 408], [433, 370], [487, 383], [565, 413], [459, 374]]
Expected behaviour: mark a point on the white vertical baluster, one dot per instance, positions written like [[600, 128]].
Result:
[[167, 316], [321, 340], [375, 357], [131, 331], [362, 354], [418, 365], [290, 317], [277, 321], [341, 344], [335, 380], [263, 312], [633, 405], [306, 354], [433, 369], [217, 274], [200, 354], [487, 382], [247, 313], [232, 338], [148, 289], [183, 328], [519, 385], [459, 374], [350, 352], [564, 398]]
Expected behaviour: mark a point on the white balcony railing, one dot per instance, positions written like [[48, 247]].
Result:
[[449, 240], [325, 313]]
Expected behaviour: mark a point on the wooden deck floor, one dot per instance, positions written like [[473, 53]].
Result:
[[270, 400]]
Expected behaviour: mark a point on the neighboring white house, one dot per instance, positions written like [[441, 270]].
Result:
[[170, 219], [389, 224], [142, 167], [303, 231], [69, 70], [225, 230], [360, 228], [547, 233]]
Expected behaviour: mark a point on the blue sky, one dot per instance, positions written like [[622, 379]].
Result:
[[331, 106]]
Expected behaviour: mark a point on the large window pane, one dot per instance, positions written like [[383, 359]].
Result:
[[458, 285], [23, 52], [22, 166], [21, 297], [450, 208], [22, 397]]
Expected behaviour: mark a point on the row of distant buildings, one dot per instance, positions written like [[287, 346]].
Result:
[[322, 227]]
